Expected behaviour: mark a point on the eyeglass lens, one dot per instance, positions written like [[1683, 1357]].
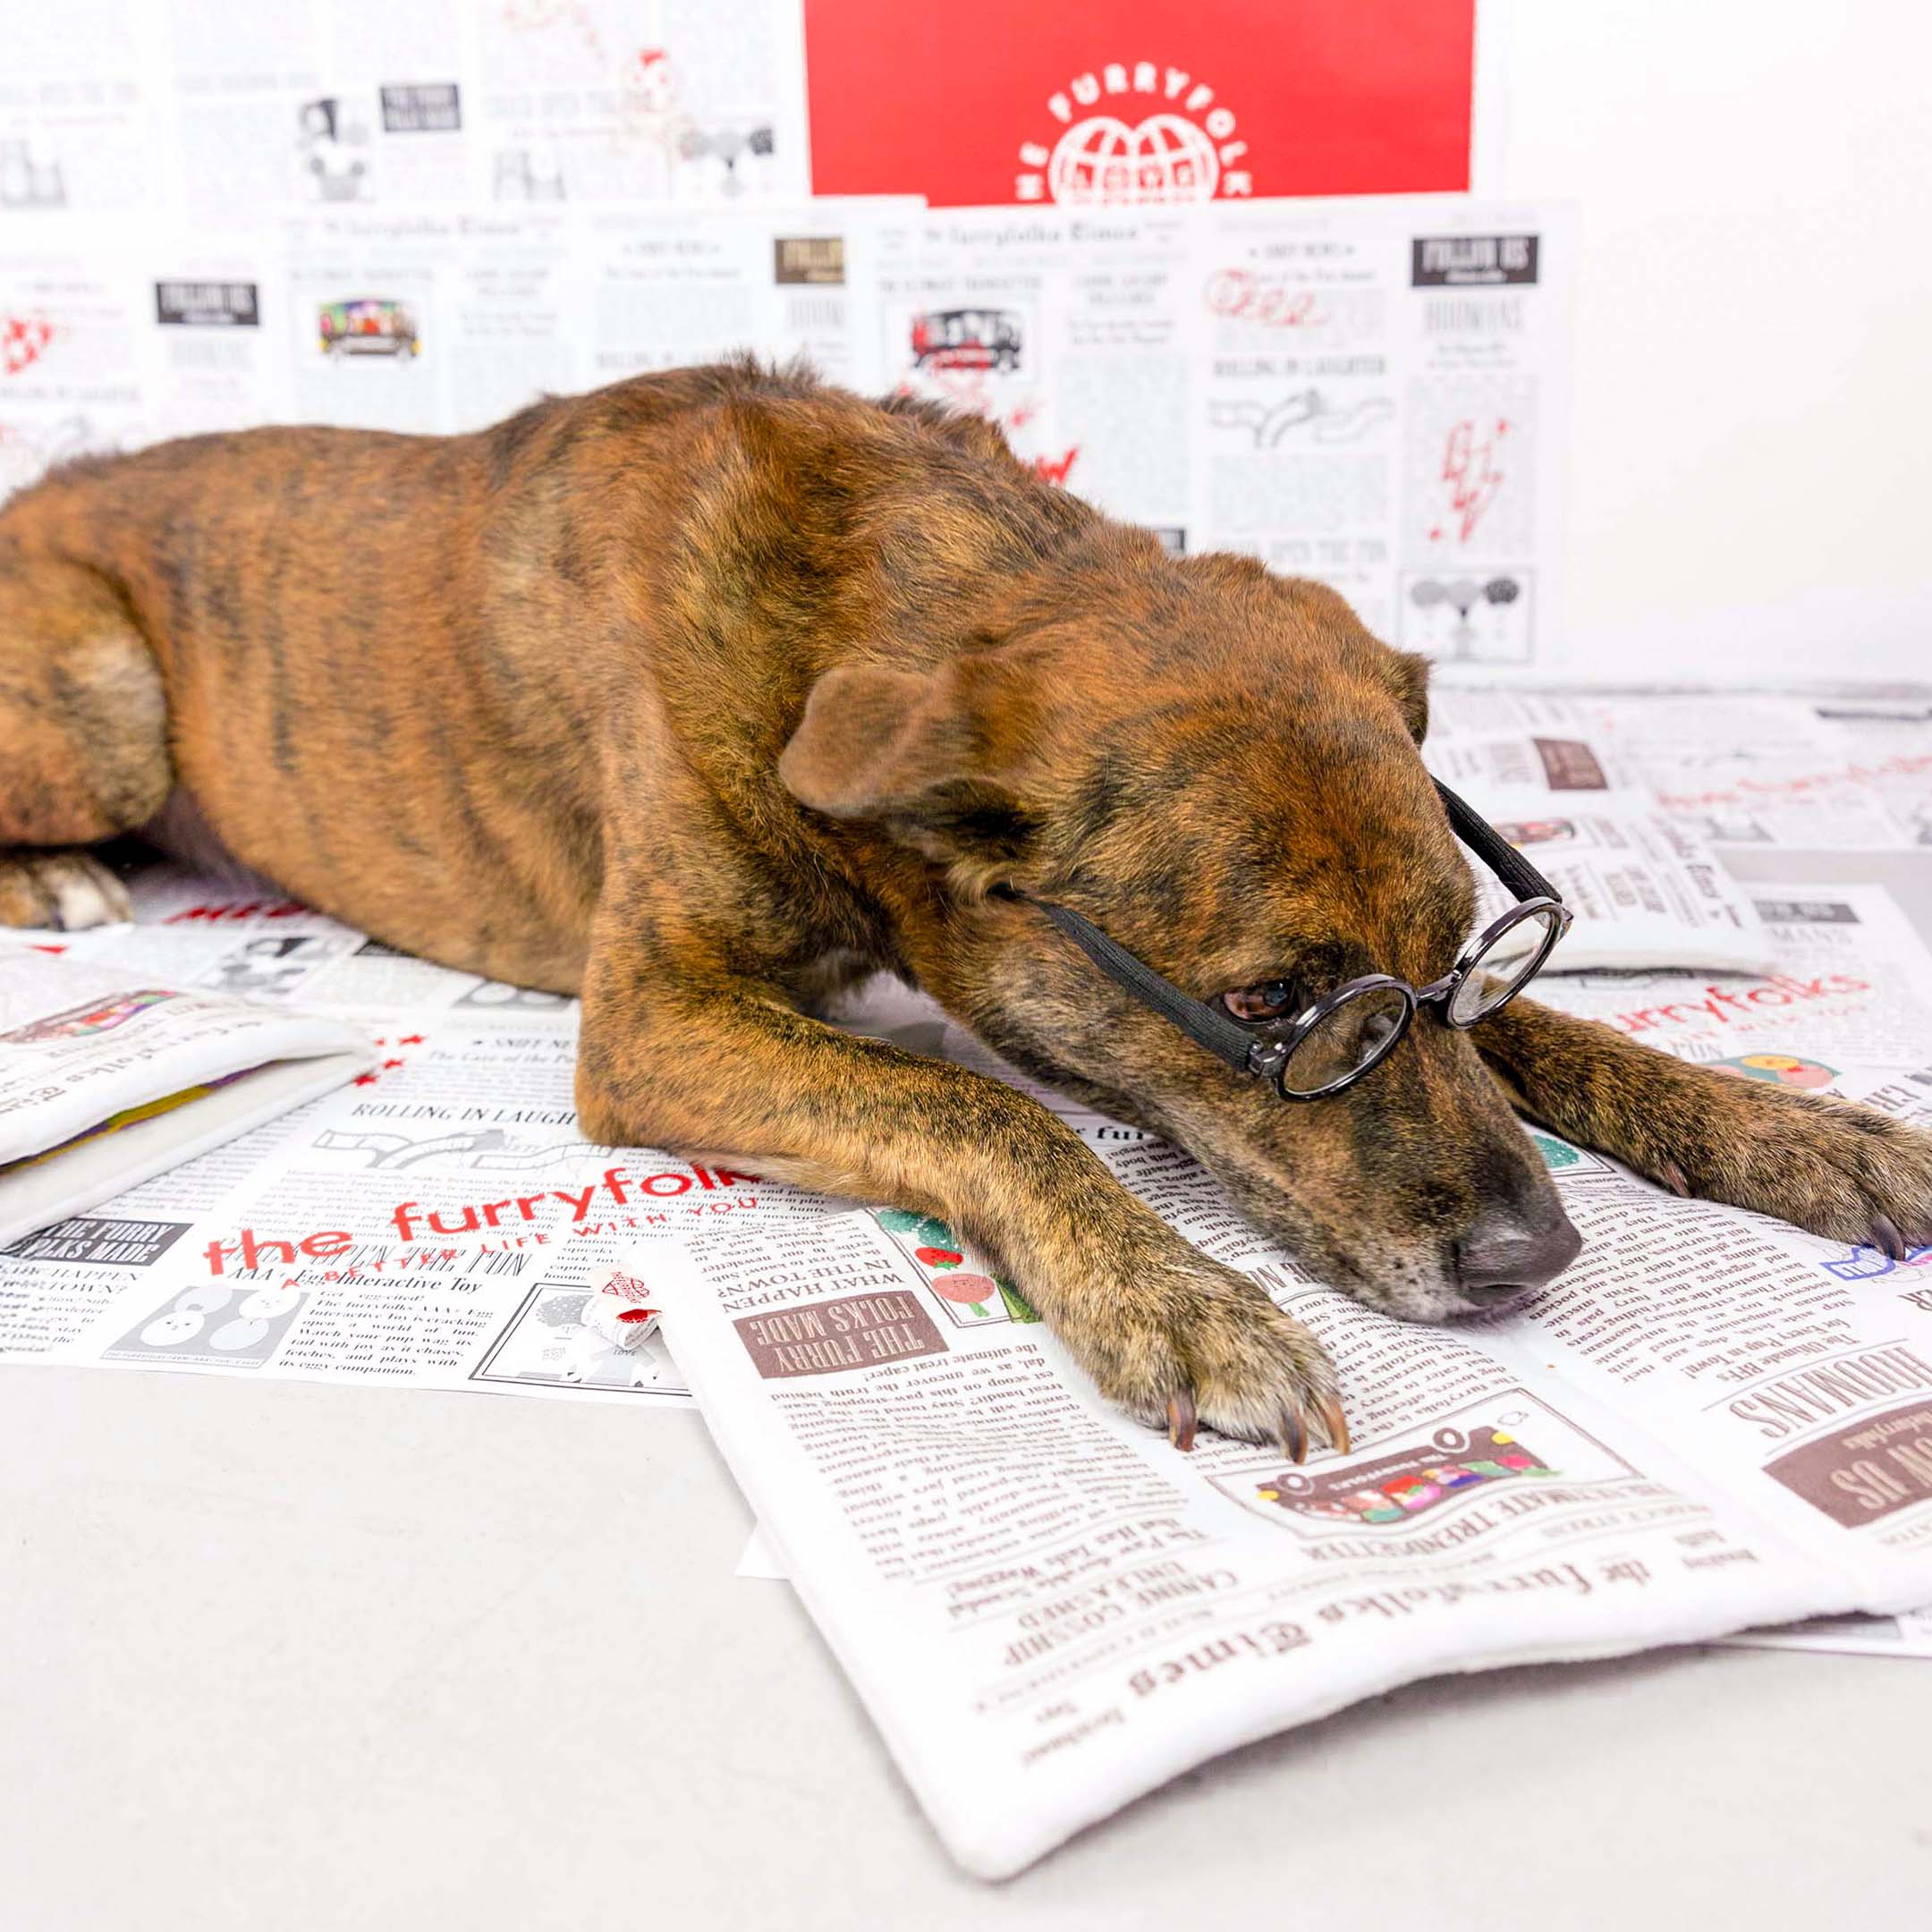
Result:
[[1347, 1040], [1505, 965]]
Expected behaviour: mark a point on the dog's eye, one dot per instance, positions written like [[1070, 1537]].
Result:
[[1267, 1000]]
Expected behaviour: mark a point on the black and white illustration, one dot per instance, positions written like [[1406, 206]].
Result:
[[1467, 617], [214, 1325]]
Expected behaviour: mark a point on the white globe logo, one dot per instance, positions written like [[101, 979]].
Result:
[[1102, 160]]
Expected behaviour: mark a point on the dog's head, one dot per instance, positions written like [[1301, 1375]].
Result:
[[1219, 768]]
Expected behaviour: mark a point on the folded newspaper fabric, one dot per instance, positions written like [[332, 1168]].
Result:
[[106, 1080], [1712, 1422]]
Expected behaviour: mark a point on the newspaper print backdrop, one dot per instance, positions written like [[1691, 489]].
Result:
[[214, 215]]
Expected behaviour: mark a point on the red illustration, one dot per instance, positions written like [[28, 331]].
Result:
[[1111, 103], [1472, 475], [22, 340], [1233, 292]]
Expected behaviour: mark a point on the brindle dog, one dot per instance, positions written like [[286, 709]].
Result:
[[707, 694]]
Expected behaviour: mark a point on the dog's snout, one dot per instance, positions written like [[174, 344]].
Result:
[[1507, 1253]]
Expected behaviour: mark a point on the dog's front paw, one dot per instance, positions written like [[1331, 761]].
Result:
[[63, 891], [1842, 1170], [1182, 1341]]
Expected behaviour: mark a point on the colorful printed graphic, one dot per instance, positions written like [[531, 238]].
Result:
[[969, 1294], [1396, 1487], [1555, 1153], [22, 337], [1784, 1070], [966, 339], [1524, 832], [368, 324], [101, 1016]]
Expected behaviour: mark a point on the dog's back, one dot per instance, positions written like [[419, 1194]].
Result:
[[394, 665]]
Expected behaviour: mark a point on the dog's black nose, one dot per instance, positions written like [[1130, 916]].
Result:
[[1505, 1255]]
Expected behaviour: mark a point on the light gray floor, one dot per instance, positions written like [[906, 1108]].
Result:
[[282, 1657], [290, 1657]]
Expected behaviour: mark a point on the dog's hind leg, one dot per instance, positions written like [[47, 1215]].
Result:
[[1845, 1172], [83, 739]]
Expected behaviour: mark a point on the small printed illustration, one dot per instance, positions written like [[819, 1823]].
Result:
[[557, 1339], [98, 1016], [272, 966], [969, 1291], [722, 160], [527, 174], [332, 150], [1782, 1070], [368, 325], [388, 1148], [1397, 1487], [1472, 619], [22, 340], [813, 261], [1561, 1157], [1521, 832], [944, 339], [496, 996], [28, 181], [216, 1325], [1312, 410], [1733, 825], [1865, 1261]]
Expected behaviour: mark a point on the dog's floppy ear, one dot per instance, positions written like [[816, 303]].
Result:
[[1408, 676], [934, 758]]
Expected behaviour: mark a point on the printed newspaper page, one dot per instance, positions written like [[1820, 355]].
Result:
[[1382, 405], [1368, 392], [437, 1221], [1758, 770], [1711, 1421], [107, 1077]]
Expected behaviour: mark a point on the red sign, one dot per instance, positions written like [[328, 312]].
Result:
[[1112, 102]]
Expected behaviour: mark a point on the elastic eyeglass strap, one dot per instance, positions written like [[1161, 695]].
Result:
[[1494, 849], [1199, 1020]]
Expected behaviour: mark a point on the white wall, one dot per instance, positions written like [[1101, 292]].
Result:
[[1750, 475]]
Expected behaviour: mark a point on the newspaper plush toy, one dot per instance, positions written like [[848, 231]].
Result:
[[618, 1312]]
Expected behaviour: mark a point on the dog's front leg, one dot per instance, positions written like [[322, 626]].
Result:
[[1845, 1172], [1166, 1333]]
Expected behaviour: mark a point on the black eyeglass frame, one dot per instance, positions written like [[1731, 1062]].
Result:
[[1263, 1048]]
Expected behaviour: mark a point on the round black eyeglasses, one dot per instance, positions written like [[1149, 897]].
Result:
[[1346, 1033]]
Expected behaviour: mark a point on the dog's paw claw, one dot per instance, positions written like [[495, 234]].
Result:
[[1195, 1345], [1334, 1422], [1886, 1239], [1182, 1420], [1672, 1177]]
